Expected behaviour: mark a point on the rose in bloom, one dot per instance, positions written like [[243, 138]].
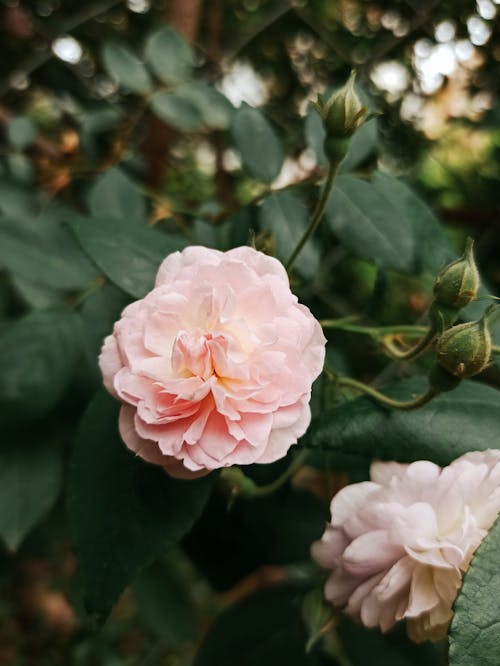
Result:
[[398, 545], [214, 366]]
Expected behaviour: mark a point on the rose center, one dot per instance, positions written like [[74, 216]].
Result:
[[198, 353]]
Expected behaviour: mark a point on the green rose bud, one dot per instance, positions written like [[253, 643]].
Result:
[[441, 380], [458, 283], [465, 350], [344, 111]]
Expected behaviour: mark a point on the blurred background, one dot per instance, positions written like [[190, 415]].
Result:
[[75, 100]]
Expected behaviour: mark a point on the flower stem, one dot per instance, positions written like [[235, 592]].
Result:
[[344, 324], [386, 400], [317, 215], [298, 461], [405, 355]]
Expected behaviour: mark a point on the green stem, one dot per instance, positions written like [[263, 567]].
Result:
[[316, 216], [384, 399], [374, 331], [298, 461], [405, 355], [495, 349]]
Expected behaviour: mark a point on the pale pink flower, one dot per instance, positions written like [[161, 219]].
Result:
[[215, 365], [398, 545]]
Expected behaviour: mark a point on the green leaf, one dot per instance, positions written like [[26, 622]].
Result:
[[171, 58], [21, 132], [264, 629], [163, 600], [126, 69], [369, 225], [128, 254], [30, 482], [474, 635], [433, 248], [467, 419], [284, 216], [123, 511], [177, 111], [261, 150], [44, 252], [114, 194], [38, 355], [364, 646], [215, 109]]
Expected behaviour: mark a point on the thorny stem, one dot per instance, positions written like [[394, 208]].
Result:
[[384, 399], [317, 216]]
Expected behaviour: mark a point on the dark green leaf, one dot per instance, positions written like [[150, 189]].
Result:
[[44, 252], [474, 632], [163, 600], [260, 148], [169, 55], [128, 254], [38, 354], [368, 646], [126, 69], [21, 132], [433, 248], [265, 629], [114, 194], [215, 109], [286, 218], [123, 511], [369, 225], [30, 481], [177, 111], [467, 419]]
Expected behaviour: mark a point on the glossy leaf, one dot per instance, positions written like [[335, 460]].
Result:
[[467, 419], [474, 636], [115, 194], [123, 511], [128, 254], [45, 254], [169, 55], [177, 111], [30, 481], [261, 150], [433, 248], [126, 69], [163, 600], [38, 354], [284, 216], [215, 109], [369, 224]]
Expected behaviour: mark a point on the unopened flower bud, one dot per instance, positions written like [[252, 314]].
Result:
[[344, 111], [458, 283], [465, 350], [441, 380]]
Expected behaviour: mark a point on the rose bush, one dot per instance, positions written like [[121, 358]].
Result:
[[215, 365], [398, 545]]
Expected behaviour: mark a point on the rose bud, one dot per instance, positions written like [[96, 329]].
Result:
[[458, 283]]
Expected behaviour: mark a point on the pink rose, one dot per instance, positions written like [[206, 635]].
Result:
[[214, 366], [398, 545]]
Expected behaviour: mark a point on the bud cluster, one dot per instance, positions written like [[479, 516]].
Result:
[[462, 350]]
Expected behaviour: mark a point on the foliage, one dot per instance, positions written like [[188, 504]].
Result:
[[129, 142]]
